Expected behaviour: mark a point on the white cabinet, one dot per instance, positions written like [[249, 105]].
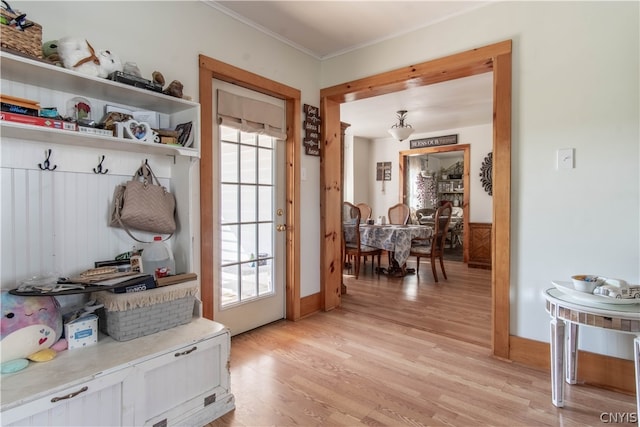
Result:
[[178, 385], [97, 402], [179, 376]]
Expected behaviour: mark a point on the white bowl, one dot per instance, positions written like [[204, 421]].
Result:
[[586, 282]]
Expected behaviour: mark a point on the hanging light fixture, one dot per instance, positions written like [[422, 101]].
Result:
[[400, 130]]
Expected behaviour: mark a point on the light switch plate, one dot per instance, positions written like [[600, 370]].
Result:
[[565, 158]]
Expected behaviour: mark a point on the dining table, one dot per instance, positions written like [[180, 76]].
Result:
[[391, 237]]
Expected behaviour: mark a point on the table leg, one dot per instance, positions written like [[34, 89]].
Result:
[[636, 352], [557, 361], [571, 359]]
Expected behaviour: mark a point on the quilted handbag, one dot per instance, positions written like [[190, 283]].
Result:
[[143, 204]]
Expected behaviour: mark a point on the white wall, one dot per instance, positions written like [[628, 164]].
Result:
[[575, 85], [168, 36], [386, 150]]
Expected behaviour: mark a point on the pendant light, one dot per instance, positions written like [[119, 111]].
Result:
[[400, 130]]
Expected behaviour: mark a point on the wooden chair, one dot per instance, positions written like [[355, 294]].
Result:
[[398, 214], [365, 211], [351, 215], [434, 248]]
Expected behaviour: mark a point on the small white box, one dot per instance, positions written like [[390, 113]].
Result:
[[82, 332]]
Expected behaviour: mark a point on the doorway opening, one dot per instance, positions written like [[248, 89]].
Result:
[[444, 173], [494, 58]]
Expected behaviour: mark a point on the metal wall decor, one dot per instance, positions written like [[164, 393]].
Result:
[[485, 173]]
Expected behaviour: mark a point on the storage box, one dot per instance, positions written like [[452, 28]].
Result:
[[27, 41], [133, 315], [82, 332]]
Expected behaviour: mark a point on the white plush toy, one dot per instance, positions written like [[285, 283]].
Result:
[[78, 55]]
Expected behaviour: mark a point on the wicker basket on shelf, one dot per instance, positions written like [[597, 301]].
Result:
[[27, 41]]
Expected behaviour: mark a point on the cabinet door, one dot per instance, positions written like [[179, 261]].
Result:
[[99, 402], [177, 385], [480, 245]]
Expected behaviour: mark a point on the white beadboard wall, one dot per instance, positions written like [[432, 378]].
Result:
[[57, 221]]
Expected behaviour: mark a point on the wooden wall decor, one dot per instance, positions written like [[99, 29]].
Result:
[[311, 124]]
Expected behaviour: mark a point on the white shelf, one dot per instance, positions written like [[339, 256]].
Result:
[[45, 75], [65, 137]]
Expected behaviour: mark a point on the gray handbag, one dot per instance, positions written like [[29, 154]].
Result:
[[143, 204]]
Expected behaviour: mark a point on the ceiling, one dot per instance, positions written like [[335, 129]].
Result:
[[324, 29]]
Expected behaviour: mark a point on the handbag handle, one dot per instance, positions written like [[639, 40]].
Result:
[[134, 237], [145, 171]]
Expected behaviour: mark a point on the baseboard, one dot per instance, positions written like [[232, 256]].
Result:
[[309, 305], [594, 369]]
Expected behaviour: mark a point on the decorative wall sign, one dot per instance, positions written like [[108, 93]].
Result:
[[485, 173], [383, 171], [433, 142], [311, 127]]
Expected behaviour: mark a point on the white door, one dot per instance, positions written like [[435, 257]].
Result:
[[250, 257]]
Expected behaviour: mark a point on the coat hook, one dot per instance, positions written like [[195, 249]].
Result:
[[146, 163], [47, 163], [98, 169]]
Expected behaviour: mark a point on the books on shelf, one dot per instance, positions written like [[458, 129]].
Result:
[[37, 121]]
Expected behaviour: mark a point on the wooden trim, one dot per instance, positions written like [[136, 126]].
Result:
[[595, 369], [330, 205], [501, 186], [213, 69], [466, 159], [310, 304], [496, 58], [206, 193]]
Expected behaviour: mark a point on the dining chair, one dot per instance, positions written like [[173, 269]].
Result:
[[434, 247], [365, 211], [353, 247], [398, 214]]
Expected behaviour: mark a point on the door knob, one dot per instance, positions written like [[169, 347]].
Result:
[[281, 227]]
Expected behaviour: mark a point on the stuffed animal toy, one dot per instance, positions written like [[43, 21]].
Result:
[[28, 328], [50, 52], [78, 55]]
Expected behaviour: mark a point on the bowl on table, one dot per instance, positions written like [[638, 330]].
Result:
[[586, 282]]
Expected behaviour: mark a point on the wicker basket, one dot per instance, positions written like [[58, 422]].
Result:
[[27, 41], [133, 315]]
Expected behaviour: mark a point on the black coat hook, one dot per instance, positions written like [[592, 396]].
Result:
[[98, 169], [47, 163]]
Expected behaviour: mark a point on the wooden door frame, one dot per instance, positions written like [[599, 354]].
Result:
[[466, 157], [210, 69], [494, 58]]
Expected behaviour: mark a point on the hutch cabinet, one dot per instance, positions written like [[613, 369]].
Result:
[[55, 219], [480, 245]]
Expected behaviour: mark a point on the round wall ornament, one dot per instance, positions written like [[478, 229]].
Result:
[[485, 173]]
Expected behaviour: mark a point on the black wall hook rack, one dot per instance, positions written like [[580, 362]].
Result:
[[98, 169], [47, 162]]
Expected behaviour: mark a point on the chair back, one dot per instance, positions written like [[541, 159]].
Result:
[[398, 214], [351, 216], [442, 222], [365, 211]]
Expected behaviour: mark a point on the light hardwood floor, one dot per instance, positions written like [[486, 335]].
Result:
[[397, 353]]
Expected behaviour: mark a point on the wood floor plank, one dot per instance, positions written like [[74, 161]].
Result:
[[399, 353]]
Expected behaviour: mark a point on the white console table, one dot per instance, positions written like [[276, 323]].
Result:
[[563, 308], [179, 376]]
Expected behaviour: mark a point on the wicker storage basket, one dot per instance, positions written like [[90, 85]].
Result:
[[133, 315], [27, 41]]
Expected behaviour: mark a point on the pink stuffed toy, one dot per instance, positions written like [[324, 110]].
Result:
[[28, 326]]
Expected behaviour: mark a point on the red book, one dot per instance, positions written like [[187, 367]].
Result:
[[37, 121]]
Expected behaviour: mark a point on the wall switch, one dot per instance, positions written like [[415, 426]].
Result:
[[565, 158], [303, 174]]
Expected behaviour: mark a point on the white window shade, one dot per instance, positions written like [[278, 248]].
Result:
[[250, 115]]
